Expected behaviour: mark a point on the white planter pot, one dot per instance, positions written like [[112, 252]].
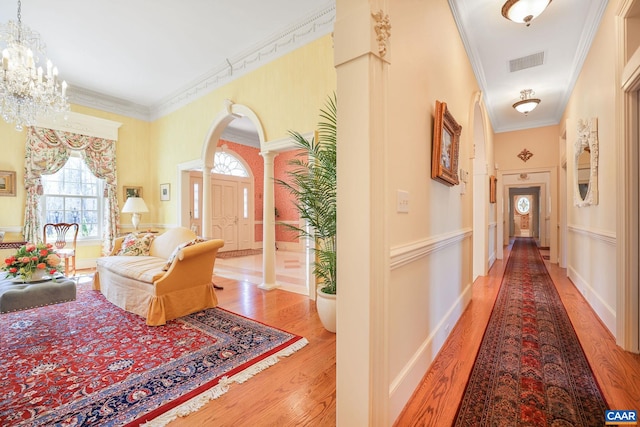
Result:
[[326, 306]]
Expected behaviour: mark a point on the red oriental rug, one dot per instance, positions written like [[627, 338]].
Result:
[[530, 369], [90, 363]]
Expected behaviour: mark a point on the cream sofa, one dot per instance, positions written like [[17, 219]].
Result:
[[140, 285]]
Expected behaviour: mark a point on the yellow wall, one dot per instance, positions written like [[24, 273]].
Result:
[[592, 229], [286, 94], [542, 142]]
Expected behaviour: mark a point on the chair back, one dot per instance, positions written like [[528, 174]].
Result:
[[59, 233]]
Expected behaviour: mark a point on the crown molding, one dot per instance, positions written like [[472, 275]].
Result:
[[111, 104], [297, 35]]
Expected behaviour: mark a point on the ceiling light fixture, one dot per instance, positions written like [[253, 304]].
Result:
[[526, 104], [26, 90], [524, 11]]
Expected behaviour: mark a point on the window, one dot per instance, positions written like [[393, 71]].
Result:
[[523, 205], [74, 194], [226, 164]]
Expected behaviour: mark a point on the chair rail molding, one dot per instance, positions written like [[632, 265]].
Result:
[[411, 252], [607, 237]]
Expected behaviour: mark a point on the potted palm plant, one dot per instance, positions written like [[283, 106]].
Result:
[[312, 181]]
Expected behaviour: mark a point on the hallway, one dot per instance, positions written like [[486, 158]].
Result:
[[617, 371]]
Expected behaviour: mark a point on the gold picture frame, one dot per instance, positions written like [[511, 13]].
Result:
[[7, 183], [446, 144], [492, 188], [131, 192]]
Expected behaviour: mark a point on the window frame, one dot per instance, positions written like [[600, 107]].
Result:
[[100, 185]]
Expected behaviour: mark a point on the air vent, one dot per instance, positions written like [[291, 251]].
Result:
[[526, 62]]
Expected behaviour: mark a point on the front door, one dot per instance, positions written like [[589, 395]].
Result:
[[225, 212]]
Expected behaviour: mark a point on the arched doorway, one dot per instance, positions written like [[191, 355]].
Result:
[[483, 244]]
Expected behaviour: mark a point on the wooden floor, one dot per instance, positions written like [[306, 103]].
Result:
[[436, 400], [300, 390]]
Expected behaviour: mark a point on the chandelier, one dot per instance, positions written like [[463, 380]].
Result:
[[526, 104], [27, 91]]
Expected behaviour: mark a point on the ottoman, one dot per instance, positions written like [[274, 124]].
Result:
[[22, 296]]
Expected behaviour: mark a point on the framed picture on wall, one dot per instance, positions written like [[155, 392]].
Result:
[[165, 192], [7, 183], [446, 142], [132, 192], [492, 188]]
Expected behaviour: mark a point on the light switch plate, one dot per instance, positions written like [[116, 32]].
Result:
[[403, 201]]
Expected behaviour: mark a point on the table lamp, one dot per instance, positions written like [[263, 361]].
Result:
[[135, 205]]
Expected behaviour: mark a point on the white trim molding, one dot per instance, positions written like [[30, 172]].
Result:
[[603, 310], [607, 237], [82, 124], [405, 254]]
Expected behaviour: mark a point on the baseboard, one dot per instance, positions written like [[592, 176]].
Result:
[[605, 312], [404, 384]]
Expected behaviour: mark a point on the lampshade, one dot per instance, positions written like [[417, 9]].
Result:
[[526, 104], [524, 11], [134, 205]]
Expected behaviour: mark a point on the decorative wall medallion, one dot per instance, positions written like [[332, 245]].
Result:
[[383, 31], [523, 177], [525, 155]]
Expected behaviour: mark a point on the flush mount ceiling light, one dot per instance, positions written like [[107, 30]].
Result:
[[524, 11], [26, 90], [526, 103]]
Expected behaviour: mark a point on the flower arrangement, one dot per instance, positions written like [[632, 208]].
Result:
[[31, 258]]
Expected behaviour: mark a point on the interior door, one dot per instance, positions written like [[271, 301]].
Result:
[[224, 195], [195, 202]]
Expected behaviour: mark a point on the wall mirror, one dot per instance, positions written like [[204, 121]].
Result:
[[586, 163]]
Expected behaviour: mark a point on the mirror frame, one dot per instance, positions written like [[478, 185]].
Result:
[[587, 137]]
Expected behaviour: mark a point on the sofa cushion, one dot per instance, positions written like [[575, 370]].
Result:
[[134, 245], [143, 268], [177, 250], [164, 245]]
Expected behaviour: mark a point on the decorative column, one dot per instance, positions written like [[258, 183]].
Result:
[[207, 223], [268, 225], [361, 54]]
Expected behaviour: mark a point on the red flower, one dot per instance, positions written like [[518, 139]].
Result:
[[41, 266], [8, 261], [30, 247], [52, 271], [13, 270], [44, 252]]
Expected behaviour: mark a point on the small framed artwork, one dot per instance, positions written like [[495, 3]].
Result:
[[165, 192], [446, 142], [7, 183], [492, 188], [132, 192]]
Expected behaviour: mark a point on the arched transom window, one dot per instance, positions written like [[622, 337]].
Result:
[[227, 164]]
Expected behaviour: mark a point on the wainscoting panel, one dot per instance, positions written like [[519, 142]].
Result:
[[591, 266], [431, 287]]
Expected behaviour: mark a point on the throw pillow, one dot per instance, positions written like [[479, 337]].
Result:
[[177, 250], [134, 245]]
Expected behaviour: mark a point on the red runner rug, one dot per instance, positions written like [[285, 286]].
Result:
[[91, 363], [530, 369]]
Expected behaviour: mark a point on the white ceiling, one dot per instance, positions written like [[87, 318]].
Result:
[[147, 58], [563, 32]]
